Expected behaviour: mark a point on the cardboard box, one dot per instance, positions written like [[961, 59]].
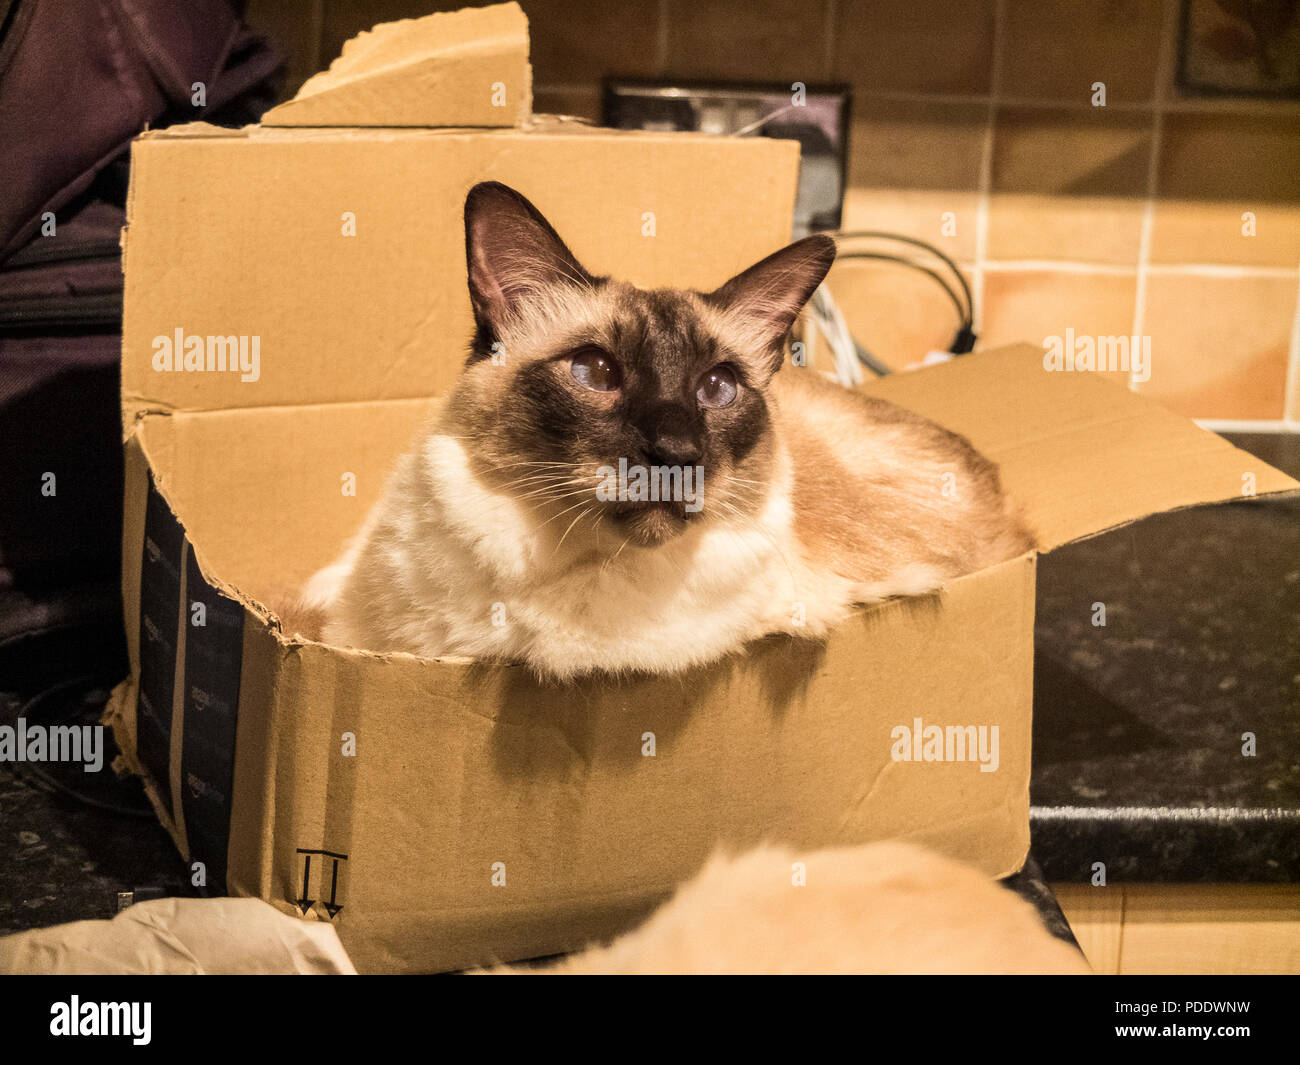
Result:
[[446, 813], [452, 68]]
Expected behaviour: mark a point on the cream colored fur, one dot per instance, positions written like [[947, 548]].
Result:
[[442, 549], [879, 908]]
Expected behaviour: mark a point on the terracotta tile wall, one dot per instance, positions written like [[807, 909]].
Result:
[[1113, 221]]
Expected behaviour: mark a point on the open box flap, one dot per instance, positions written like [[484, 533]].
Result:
[[455, 68], [343, 251], [1080, 453]]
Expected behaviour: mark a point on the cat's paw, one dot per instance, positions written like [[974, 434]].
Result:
[[324, 586], [916, 578]]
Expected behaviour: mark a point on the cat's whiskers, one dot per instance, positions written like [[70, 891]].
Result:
[[534, 465], [613, 558], [554, 493], [539, 504], [543, 480], [740, 497], [581, 515], [568, 510], [524, 478], [472, 444]]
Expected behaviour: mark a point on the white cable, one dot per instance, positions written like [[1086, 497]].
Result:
[[829, 321]]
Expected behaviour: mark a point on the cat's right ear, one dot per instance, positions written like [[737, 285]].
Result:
[[768, 296], [512, 252]]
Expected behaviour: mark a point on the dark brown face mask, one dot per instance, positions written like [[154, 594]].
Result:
[[657, 382]]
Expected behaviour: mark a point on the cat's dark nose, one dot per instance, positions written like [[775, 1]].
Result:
[[672, 439]]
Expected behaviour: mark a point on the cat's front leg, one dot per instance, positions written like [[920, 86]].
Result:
[[323, 587], [912, 579]]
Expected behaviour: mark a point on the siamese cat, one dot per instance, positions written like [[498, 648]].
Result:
[[628, 480]]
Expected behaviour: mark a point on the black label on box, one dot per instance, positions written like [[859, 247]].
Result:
[[160, 593], [214, 649]]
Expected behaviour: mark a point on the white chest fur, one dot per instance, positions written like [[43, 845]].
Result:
[[447, 565]]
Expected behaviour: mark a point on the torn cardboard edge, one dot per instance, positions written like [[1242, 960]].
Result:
[[452, 68], [537, 123]]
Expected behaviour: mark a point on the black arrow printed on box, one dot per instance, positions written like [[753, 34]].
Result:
[[305, 902]]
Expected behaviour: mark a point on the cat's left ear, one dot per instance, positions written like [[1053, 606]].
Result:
[[765, 299], [512, 252]]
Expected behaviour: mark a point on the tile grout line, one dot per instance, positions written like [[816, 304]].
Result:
[[1291, 400], [661, 38], [832, 16], [1198, 106], [1163, 72], [1079, 266], [986, 167], [1191, 105], [1248, 425], [1228, 270]]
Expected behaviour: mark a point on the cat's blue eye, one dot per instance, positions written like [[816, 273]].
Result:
[[718, 387], [593, 369]]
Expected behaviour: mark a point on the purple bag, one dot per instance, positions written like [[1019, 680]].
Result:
[[78, 80]]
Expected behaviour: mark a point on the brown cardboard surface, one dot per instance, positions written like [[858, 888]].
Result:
[[273, 511], [385, 314], [460, 767], [1079, 452], [454, 68]]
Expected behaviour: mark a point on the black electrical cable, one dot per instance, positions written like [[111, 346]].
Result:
[[31, 710], [880, 234], [885, 257], [964, 340]]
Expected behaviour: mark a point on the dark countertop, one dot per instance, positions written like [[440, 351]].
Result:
[[1031, 885], [64, 858], [1138, 726]]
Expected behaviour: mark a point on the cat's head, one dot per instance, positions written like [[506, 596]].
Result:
[[582, 393]]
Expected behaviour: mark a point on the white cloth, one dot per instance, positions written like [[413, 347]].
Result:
[[182, 936]]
